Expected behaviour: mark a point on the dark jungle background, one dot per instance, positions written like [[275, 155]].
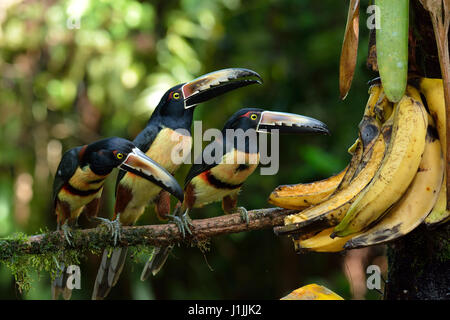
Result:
[[67, 81]]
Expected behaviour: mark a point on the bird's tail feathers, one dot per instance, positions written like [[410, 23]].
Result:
[[109, 272], [59, 285], [156, 261]]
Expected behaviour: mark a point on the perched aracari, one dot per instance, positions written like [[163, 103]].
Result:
[[222, 180], [158, 140], [79, 180]]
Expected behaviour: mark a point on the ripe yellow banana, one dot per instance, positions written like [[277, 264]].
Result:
[[330, 212], [312, 292], [369, 126], [303, 195], [439, 214], [321, 242], [383, 108], [374, 93], [415, 204], [351, 150], [433, 90], [395, 173], [352, 166], [369, 129]]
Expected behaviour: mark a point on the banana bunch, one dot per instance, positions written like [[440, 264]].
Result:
[[395, 179]]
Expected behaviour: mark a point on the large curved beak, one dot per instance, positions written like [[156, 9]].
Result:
[[140, 164], [217, 83], [290, 123]]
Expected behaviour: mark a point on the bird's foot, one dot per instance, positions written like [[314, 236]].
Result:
[[244, 214], [183, 222], [113, 226], [187, 221], [178, 222], [66, 229]]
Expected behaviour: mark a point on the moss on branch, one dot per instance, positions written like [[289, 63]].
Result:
[[23, 254]]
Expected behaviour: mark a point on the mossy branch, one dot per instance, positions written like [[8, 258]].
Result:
[[97, 239]]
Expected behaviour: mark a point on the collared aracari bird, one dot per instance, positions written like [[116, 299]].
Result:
[[158, 140], [222, 180], [80, 177]]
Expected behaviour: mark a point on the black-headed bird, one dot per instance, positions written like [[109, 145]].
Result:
[[212, 181], [160, 140], [80, 177]]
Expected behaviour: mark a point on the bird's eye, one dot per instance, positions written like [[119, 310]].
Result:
[[119, 155], [176, 96], [253, 116]]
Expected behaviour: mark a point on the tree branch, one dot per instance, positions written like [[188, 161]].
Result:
[[151, 235]]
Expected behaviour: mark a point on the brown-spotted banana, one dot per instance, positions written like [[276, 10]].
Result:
[[415, 204], [369, 129], [303, 195], [396, 172], [331, 211], [433, 91], [321, 242]]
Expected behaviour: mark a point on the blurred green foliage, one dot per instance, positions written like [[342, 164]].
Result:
[[75, 71]]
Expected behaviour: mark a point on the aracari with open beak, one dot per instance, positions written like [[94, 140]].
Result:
[[158, 140], [80, 177], [222, 180]]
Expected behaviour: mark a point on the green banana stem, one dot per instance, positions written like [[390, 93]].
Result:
[[392, 46]]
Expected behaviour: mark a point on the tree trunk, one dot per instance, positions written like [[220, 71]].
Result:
[[418, 263]]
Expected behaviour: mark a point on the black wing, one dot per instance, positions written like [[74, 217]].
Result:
[[66, 168], [143, 141], [198, 168]]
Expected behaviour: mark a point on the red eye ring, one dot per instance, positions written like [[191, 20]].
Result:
[[246, 115]]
